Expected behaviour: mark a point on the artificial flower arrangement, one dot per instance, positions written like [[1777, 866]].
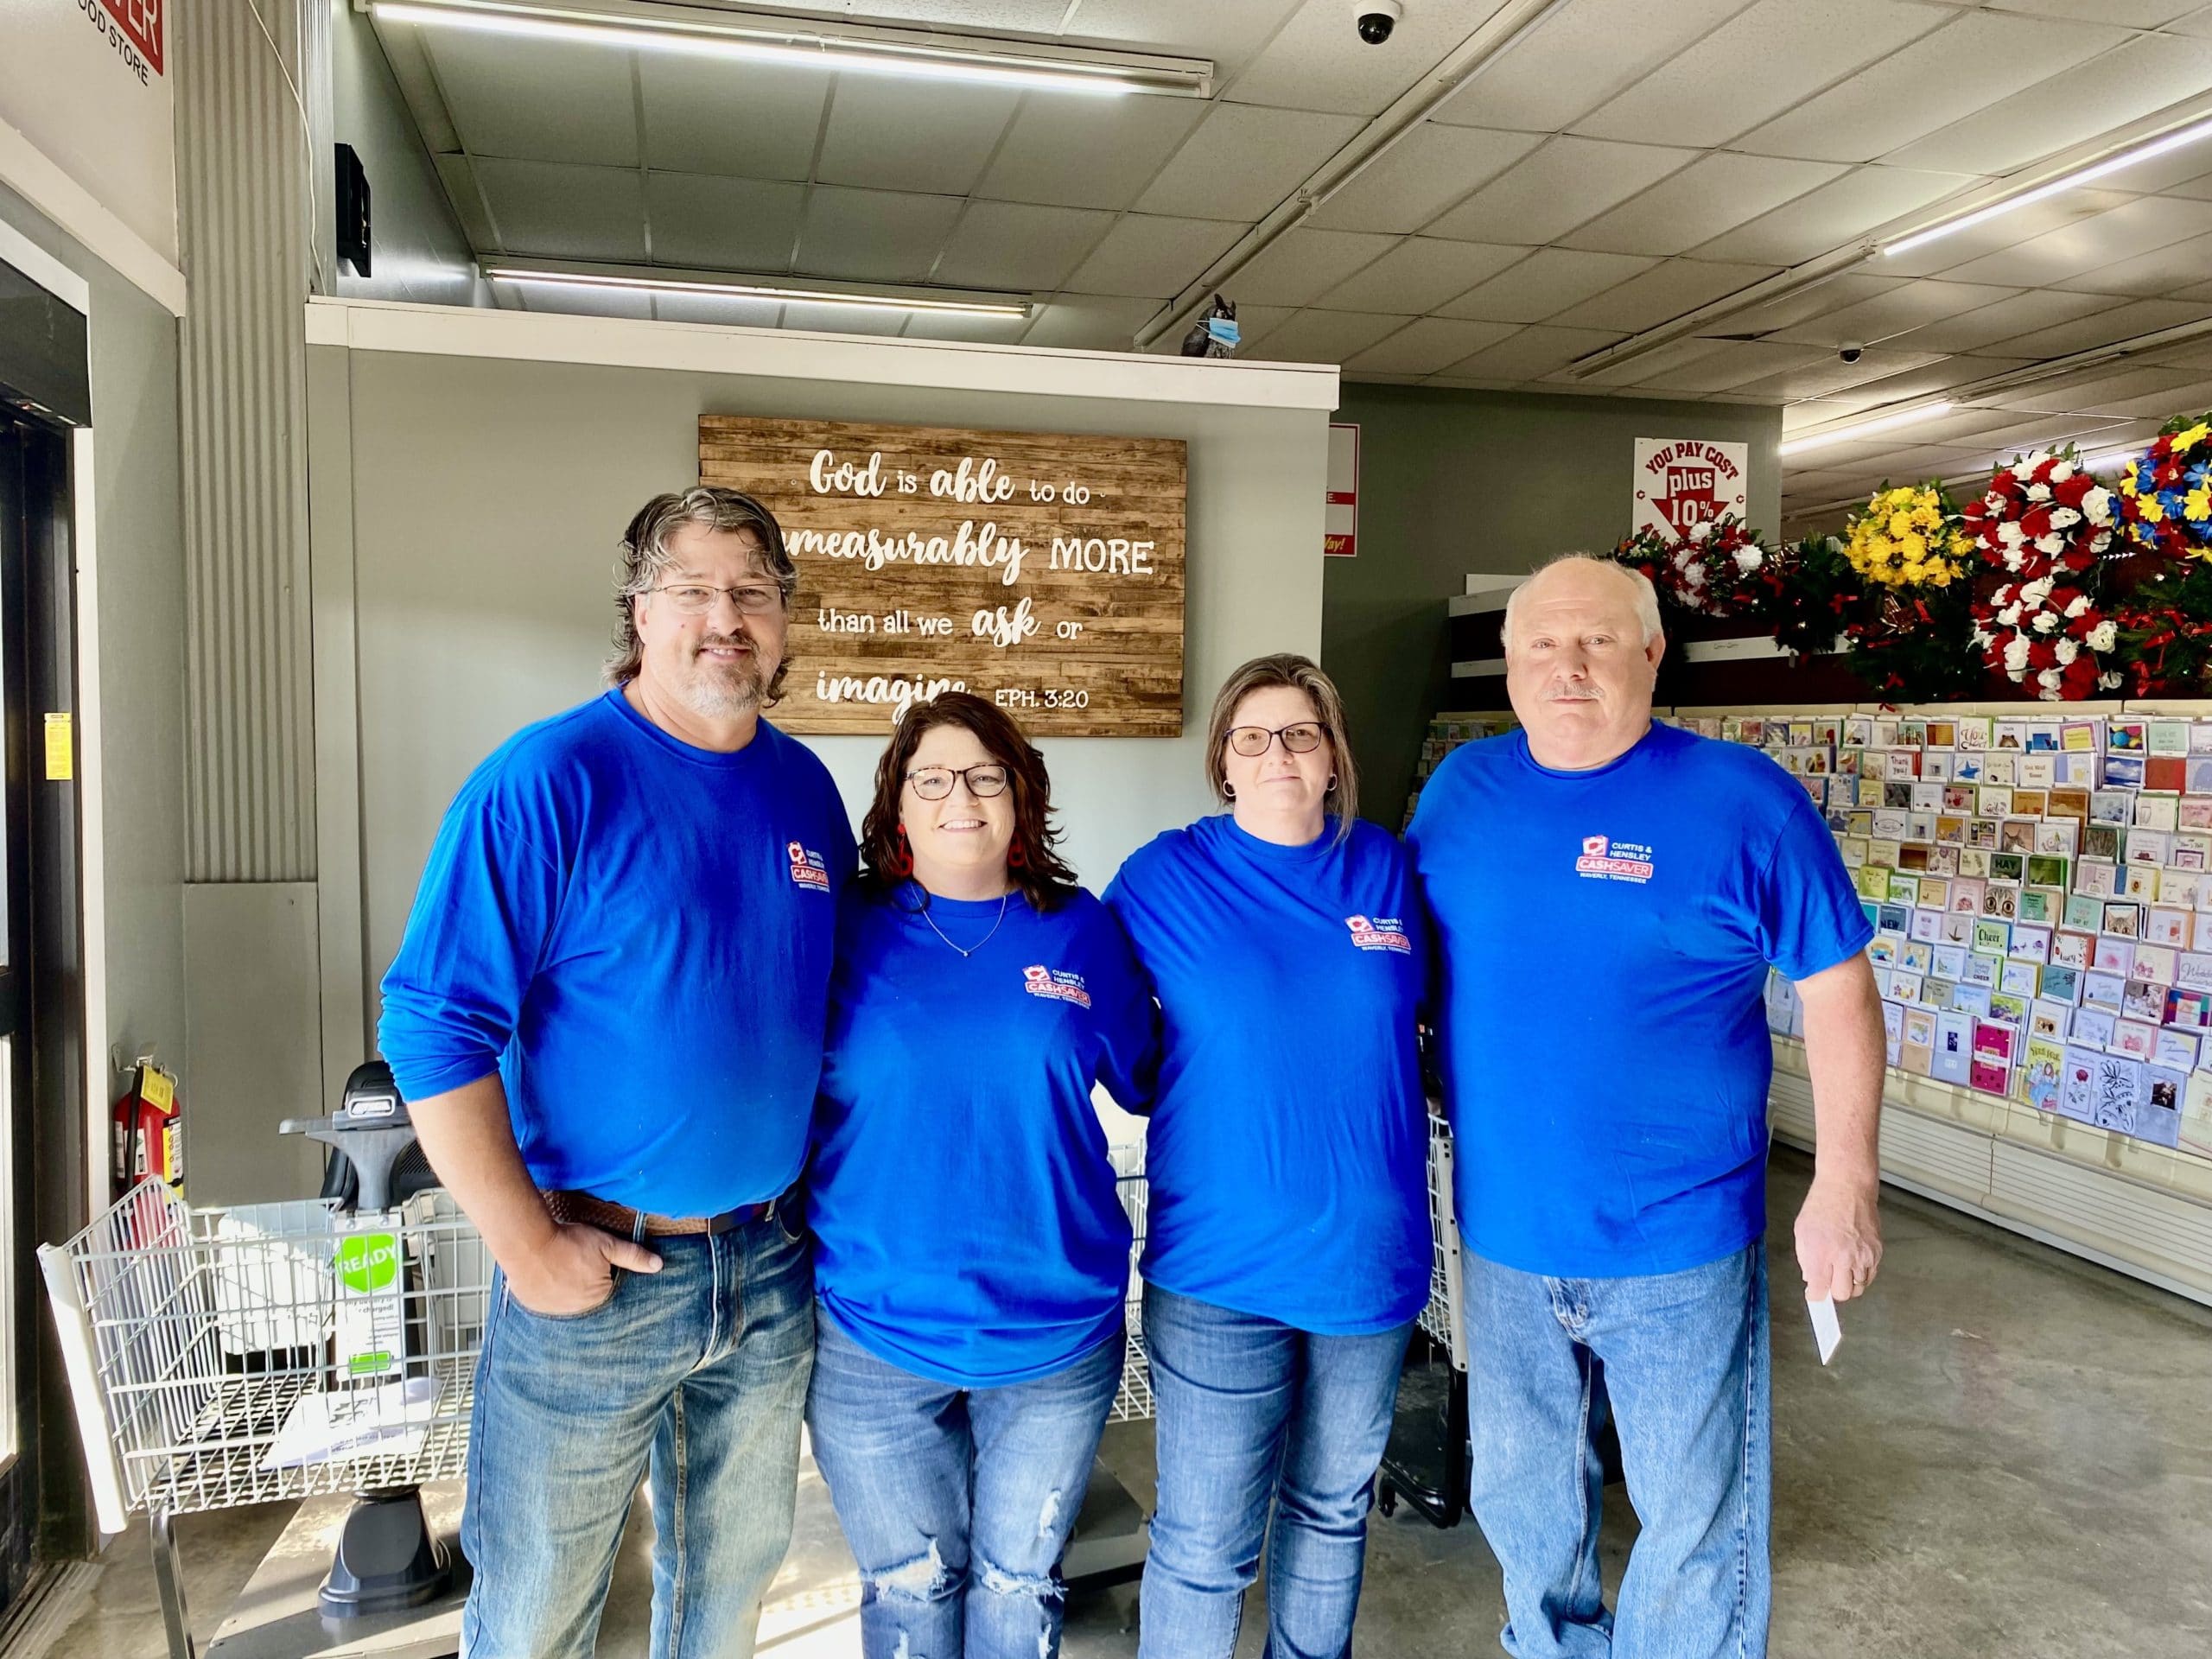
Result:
[[2165, 496], [1913, 641], [2045, 529]]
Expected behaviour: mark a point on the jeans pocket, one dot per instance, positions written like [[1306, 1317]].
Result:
[[789, 1213], [616, 1276]]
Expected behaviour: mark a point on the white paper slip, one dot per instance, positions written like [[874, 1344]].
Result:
[[1828, 1329]]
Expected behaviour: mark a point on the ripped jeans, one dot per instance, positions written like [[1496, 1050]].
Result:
[[957, 1502]]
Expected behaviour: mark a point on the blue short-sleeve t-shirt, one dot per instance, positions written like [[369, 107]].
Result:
[[1286, 1158], [966, 1218], [1603, 938], [636, 934]]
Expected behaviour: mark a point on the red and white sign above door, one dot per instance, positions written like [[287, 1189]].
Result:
[[1684, 482], [1340, 527]]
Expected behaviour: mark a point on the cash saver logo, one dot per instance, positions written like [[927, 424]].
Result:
[[1603, 860], [1040, 981], [808, 869], [1379, 933]]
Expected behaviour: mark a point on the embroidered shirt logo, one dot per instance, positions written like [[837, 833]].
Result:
[[1056, 984], [1380, 933], [808, 869], [1604, 860]]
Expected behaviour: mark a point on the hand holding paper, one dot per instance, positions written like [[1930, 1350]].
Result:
[[1828, 1329], [1838, 1240]]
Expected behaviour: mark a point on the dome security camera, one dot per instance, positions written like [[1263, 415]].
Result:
[[1374, 19], [1850, 351]]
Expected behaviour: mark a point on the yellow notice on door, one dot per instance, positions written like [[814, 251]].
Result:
[[61, 748]]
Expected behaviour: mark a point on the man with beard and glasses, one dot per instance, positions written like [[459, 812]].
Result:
[[607, 1018], [1612, 1120]]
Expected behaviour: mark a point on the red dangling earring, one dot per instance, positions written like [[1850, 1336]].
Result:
[[902, 861], [1016, 856]]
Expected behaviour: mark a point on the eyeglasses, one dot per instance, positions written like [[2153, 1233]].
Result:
[[935, 783], [695, 599], [1252, 742]]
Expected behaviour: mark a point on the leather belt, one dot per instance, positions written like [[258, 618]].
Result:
[[622, 1221]]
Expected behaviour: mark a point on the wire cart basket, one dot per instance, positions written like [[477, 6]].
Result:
[[1426, 1462], [217, 1358]]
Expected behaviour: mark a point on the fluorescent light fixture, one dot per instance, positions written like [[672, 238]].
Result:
[[2194, 132], [1865, 429], [638, 281], [813, 43]]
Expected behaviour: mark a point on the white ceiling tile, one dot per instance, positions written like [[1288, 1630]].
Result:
[[1971, 330], [2186, 354], [1944, 374], [1154, 257], [1837, 294], [1427, 170], [1654, 364], [2133, 14], [911, 134], [1301, 265], [1663, 294], [2114, 389], [536, 100], [1014, 245], [976, 16], [1530, 353], [2130, 81], [1947, 253], [1827, 373], [2142, 225], [1088, 152], [2102, 328], [1904, 306], [2184, 172], [1557, 187], [1419, 275], [457, 173], [1737, 363], [1323, 336], [565, 211], [1426, 344], [1836, 215], [1316, 62], [1756, 65], [1709, 196], [2197, 23], [1090, 323], [1914, 92], [1242, 159], [721, 224], [843, 319], [872, 235], [707, 117], [1228, 31], [1579, 57], [1546, 282], [728, 312]]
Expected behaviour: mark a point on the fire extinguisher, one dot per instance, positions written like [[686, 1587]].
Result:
[[149, 1129]]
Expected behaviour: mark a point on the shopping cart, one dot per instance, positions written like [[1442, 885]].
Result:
[[1425, 1461], [207, 1353]]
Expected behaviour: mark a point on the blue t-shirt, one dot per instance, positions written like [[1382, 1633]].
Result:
[[636, 934], [1603, 938], [1288, 1155], [966, 1220]]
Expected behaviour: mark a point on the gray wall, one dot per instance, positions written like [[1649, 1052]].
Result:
[[418, 253], [136, 497], [1457, 482], [469, 518]]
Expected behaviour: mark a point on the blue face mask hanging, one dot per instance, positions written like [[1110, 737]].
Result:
[[1222, 330]]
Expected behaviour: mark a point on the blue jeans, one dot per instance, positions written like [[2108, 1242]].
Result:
[[1683, 1359], [957, 1502], [1253, 1417], [699, 1372]]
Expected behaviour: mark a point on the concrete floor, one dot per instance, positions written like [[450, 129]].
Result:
[[2011, 1455]]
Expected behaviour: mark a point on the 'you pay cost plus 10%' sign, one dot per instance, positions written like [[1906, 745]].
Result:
[[1043, 571]]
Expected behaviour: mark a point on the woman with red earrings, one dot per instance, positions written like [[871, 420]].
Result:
[[972, 1256]]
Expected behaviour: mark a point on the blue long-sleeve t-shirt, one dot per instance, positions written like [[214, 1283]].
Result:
[[962, 1196], [1287, 1153], [637, 935]]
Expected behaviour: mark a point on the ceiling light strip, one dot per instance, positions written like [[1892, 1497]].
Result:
[[775, 293], [1821, 439], [809, 45], [2194, 132]]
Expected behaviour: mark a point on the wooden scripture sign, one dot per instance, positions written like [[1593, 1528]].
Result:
[[1040, 570]]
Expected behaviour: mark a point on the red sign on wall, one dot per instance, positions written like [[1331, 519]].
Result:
[[141, 23]]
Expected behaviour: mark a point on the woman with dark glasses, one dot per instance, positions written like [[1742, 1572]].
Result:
[[1288, 1238], [972, 1256]]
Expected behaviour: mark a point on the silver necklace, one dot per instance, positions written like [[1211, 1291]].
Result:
[[980, 944]]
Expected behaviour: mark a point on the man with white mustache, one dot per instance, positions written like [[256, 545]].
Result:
[[607, 1018], [1612, 1125]]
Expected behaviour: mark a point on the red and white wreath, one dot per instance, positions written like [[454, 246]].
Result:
[[2045, 528]]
